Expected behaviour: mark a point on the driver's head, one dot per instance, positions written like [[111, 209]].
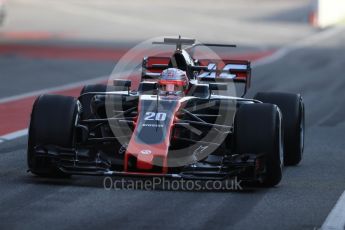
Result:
[[173, 81]]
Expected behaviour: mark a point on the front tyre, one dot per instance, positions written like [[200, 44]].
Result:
[[52, 123], [258, 130]]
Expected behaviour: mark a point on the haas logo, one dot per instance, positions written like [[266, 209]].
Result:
[[146, 152], [123, 148]]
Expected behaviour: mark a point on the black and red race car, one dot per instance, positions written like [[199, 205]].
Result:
[[206, 133]]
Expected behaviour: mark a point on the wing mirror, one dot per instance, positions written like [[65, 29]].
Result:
[[123, 84], [218, 86]]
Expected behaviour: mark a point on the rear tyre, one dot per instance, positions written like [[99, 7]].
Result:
[[52, 123], [292, 108], [258, 130]]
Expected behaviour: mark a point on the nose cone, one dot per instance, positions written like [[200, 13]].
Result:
[[145, 159], [148, 147]]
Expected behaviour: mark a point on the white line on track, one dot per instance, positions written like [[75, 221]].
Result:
[[54, 89], [14, 135], [336, 218], [23, 132]]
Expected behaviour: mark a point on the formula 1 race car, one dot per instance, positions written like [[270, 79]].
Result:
[[181, 122]]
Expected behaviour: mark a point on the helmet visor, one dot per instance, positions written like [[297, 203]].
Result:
[[171, 86]]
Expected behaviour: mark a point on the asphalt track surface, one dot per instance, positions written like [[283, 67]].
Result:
[[302, 200]]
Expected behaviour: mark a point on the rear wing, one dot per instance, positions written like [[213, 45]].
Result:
[[207, 70], [237, 71]]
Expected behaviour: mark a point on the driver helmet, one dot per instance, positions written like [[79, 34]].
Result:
[[173, 81]]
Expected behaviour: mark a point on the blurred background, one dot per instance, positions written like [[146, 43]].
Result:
[[55, 42], [249, 22]]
